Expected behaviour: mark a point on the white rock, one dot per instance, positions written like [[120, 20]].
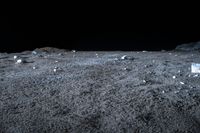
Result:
[[163, 91], [19, 61], [73, 51], [15, 57], [144, 81], [176, 92], [56, 61], [34, 52], [182, 83], [195, 68], [196, 75], [34, 67], [174, 77], [55, 70], [124, 68], [123, 57]]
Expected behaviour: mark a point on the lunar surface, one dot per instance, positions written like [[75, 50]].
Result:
[[51, 90]]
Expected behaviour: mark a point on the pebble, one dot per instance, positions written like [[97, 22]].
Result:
[[174, 77], [56, 61], [34, 67], [144, 81], [73, 51], [196, 75], [124, 68], [34, 52], [182, 83], [15, 57], [163, 91], [176, 92], [55, 70], [19, 61], [123, 57]]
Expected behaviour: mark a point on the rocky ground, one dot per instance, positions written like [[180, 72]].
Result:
[[52, 90]]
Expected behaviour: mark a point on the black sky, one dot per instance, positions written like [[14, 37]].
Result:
[[19, 41], [21, 34]]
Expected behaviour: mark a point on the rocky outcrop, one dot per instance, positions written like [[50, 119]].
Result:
[[194, 46]]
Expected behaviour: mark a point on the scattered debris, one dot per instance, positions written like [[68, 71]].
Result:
[[123, 57], [57, 69], [195, 68], [182, 83], [15, 57], [174, 77]]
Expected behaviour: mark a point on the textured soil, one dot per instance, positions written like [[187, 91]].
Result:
[[99, 92]]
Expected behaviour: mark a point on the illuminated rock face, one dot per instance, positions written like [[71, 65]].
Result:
[[189, 47], [59, 91]]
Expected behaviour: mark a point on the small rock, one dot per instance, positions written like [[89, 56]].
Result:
[[56, 61], [170, 53], [144, 81], [19, 61], [179, 71], [174, 77], [163, 91], [34, 52], [176, 92], [182, 83], [123, 57], [15, 57], [73, 51], [55, 70], [196, 75], [124, 68]]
